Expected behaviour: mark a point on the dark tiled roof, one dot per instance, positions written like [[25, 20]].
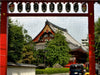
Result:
[[49, 23], [73, 44], [20, 65]]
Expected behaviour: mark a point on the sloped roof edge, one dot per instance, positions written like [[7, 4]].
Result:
[[49, 23], [20, 65], [43, 29], [70, 39]]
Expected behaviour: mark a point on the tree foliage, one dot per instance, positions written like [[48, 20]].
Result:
[[40, 56], [97, 38], [27, 53], [20, 45], [15, 41], [57, 50]]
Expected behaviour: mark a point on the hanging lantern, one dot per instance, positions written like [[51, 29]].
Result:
[[76, 7], [44, 7], [20, 7], [51, 7], [60, 7], [11, 7], [36, 7], [28, 7], [68, 7], [84, 7]]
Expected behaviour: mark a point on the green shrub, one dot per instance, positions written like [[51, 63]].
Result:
[[40, 71], [52, 70]]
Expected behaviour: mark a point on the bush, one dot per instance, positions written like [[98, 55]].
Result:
[[40, 71], [52, 70]]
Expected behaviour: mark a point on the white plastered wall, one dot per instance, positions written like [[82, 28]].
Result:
[[20, 71]]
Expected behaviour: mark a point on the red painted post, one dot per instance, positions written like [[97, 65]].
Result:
[[91, 38], [3, 39]]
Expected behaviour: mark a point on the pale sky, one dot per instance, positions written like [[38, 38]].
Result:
[[77, 26]]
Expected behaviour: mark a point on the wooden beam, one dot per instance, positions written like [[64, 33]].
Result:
[[50, 0], [3, 40], [91, 38], [48, 14]]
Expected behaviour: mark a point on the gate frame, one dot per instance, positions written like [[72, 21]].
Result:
[[4, 29]]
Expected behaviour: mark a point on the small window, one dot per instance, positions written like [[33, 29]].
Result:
[[46, 39], [51, 35], [41, 40], [46, 35]]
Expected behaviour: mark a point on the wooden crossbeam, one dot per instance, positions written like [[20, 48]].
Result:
[[48, 14], [50, 0]]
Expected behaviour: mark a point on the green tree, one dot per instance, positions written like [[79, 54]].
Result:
[[57, 50], [40, 56], [15, 41], [20, 45], [97, 38], [27, 53], [27, 38]]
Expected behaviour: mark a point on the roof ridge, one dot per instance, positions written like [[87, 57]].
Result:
[[49, 23]]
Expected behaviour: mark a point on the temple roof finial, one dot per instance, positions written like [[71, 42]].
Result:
[[46, 22]]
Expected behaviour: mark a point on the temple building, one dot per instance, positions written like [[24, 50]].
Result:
[[78, 52]]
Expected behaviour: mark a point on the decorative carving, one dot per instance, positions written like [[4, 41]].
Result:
[[36, 7], [44, 7], [84, 7], [28, 7], [20, 7], [11, 7], [68, 7], [76, 7], [51, 7], [60, 7]]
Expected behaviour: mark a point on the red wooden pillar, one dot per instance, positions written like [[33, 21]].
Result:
[[91, 38], [3, 39]]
